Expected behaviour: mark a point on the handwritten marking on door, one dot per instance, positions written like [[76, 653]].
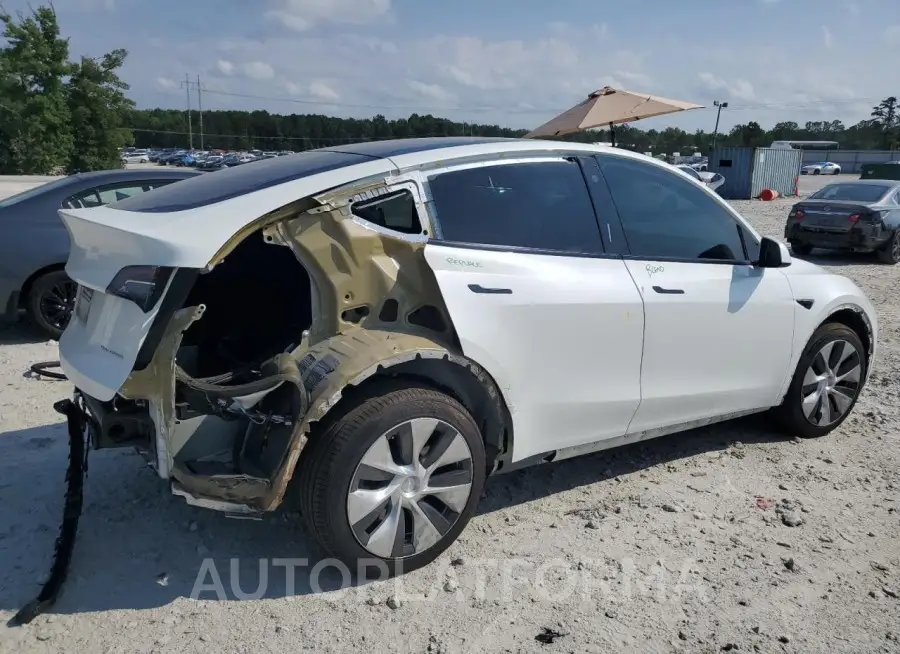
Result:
[[653, 269]]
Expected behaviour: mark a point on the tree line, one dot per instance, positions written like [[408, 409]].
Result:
[[247, 130], [59, 115]]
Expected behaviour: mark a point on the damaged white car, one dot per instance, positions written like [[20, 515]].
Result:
[[370, 330]]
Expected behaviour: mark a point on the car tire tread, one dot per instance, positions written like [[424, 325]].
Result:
[[333, 451]]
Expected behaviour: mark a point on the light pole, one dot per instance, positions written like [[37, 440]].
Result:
[[720, 105]]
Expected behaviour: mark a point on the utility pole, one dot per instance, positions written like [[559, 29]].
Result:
[[200, 109], [720, 105], [186, 85]]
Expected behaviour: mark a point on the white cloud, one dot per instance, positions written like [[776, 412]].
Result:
[[166, 84], [323, 91], [258, 70], [432, 91], [739, 89], [303, 15], [225, 67], [826, 37]]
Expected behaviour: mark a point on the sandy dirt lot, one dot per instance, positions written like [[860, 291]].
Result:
[[675, 545]]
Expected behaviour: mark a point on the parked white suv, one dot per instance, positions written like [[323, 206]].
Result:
[[384, 324]]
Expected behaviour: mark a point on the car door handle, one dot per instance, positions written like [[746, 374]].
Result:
[[478, 288], [668, 291]]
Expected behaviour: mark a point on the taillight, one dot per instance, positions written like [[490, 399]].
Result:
[[143, 285], [797, 214], [854, 217]]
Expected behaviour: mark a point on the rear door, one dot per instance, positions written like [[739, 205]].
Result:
[[536, 299]]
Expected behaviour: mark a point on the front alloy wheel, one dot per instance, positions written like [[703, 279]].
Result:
[[831, 383], [392, 478], [826, 384]]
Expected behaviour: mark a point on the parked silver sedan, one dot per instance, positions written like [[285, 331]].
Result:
[[821, 168]]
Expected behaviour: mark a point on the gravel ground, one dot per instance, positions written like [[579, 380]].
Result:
[[679, 544]]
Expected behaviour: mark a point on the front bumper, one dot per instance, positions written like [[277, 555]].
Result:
[[861, 238]]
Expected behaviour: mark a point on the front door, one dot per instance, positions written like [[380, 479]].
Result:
[[536, 302], [718, 331]]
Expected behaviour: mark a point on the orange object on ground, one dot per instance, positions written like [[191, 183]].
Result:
[[768, 194]]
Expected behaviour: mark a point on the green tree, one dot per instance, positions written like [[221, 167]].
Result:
[[35, 134], [100, 112], [886, 117]]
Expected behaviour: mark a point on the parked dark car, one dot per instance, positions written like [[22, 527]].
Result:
[[34, 243], [857, 216]]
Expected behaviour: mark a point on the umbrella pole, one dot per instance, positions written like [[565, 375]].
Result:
[[612, 135]]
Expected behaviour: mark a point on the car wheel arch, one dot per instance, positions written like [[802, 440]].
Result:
[[27, 285], [855, 318], [454, 374]]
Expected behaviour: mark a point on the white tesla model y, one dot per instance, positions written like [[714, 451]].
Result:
[[385, 324]]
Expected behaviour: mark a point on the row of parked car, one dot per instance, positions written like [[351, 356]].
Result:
[[202, 160]]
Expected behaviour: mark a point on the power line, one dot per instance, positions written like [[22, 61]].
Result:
[[749, 106], [330, 139]]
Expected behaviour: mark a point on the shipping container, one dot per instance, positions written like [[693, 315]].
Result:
[[747, 171]]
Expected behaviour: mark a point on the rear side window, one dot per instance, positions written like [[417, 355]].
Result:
[[396, 211], [851, 192], [538, 205], [102, 195], [221, 185]]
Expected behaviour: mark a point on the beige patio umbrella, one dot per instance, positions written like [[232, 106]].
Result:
[[608, 107]]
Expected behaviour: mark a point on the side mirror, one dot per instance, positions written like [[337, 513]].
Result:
[[773, 254]]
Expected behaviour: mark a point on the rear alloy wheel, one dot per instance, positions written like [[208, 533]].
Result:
[[802, 249], [826, 384], [890, 253], [837, 171], [51, 301], [394, 479]]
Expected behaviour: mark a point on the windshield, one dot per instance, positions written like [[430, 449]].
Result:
[[34, 191], [851, 192]]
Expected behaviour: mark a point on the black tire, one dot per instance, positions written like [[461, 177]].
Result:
[[837, 171], [50, 302], [801, 249], [890, 253], [789, 414], [817, 172], [331, 458]]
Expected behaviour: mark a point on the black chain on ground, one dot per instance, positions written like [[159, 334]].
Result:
[[65, 542]]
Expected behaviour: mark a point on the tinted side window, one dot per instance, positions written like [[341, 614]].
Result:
[[101, 195], [395, 211], [665, 215], [540, 205]]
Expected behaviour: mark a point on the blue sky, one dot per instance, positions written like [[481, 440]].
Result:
[[510, 62]]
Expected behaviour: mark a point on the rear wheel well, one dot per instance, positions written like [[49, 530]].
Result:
[[26, 287], [854, 320], [470, 385]]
